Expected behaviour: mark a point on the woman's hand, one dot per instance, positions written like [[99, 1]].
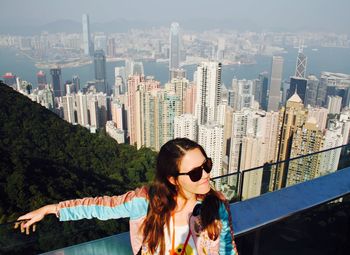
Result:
[[28, 220]]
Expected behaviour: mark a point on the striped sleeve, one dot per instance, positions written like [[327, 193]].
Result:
[[132, 204]]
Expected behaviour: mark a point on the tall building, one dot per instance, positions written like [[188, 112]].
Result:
[[100, 71], [319, 114], [178, 86], [275, 83], [307, 139], [114, 132], [186, 125], [118, 115], [175, 46], [211, 136], [243, 94], [137, 88], [87, 45], [291, 117], [69, 111], [10, 79], [44, 97], [177, 73], [76, 82], [119, 81], [297, 85], [329, 160], [41, 79], [82, 109], [57, 86], [253, 155], [311, 92], [263, 85], [208, 91], [334, 84], [190, 98], [300, 68], [334, 104]]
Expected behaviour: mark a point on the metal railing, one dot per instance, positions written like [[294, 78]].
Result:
[[248, 183], [52, 234]]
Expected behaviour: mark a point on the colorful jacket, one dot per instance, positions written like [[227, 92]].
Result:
[[134, 205]]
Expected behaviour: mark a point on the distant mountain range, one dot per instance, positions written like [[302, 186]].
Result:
[[123, 25]]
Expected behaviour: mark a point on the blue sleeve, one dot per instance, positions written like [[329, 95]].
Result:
[[227, 244], [131, 205]]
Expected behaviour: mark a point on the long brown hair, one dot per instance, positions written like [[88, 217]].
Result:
[[162, 194]]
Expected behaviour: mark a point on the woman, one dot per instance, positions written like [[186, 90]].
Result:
[[179, 213]]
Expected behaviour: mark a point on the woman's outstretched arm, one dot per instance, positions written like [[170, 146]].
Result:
[[26, 221]]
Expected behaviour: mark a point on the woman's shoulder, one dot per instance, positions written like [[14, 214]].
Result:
[[141, 192]]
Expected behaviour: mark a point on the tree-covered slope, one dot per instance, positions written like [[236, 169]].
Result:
[[44, 159]]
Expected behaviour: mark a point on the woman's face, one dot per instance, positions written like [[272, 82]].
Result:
[[192, 159]]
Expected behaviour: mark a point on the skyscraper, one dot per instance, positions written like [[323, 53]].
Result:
[[307, 139], [185, 125], [298, 85], [275, 83], [100, 71], [243, 94], [311, 93], [58, 90], [137, 88], [87, 45], [76, 82], [300, 68], [334, 104], [211, 137], [175, 46], [292, 117], [208, 91], [41, 78], [263, 84]]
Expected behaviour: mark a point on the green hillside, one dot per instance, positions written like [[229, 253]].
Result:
[[44, 160]]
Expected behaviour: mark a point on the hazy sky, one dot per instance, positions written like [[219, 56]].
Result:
[[291, 14]]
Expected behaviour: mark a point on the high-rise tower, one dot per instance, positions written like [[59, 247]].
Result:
[[100, 71], [300, 68], [292, 117], [208, 91], [56, 82], [275, 83], [175, 46], [87, 45]]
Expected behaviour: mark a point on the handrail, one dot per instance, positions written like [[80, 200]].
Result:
[[279, 162]]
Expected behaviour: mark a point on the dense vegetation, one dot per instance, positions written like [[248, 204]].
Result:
[[45, 160]]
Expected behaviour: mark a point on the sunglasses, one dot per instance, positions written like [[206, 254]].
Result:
[[196, 173]]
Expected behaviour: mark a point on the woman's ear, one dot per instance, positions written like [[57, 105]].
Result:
[[172, 180]]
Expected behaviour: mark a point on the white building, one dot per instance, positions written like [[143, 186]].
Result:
[[186, 126], [243, 94], [319, 114], [334, 104], [208, 91], [114, 132], [211, 136]]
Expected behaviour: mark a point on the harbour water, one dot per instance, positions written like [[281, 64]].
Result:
[[322, 59]]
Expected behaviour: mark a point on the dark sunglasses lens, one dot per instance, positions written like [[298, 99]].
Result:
[[196, 174], [208, 165]]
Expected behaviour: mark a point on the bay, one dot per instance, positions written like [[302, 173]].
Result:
[[321, 59]]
